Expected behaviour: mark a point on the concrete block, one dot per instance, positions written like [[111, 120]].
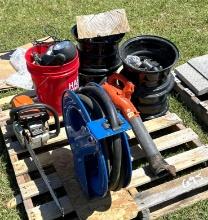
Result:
[[192, 78], [200, 64]]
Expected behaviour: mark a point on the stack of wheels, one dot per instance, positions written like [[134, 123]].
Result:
[[152, 87], [99, 57]]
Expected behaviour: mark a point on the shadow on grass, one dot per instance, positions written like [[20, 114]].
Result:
[[11, 177]]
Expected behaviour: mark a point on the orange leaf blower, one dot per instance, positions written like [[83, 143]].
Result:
[[120, 91]]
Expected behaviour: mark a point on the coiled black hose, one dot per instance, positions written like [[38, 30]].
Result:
[[100, 105]]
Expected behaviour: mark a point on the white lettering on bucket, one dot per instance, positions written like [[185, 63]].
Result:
[[74, 85]]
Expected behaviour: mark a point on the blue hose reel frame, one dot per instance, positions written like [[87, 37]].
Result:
[[85, 138]]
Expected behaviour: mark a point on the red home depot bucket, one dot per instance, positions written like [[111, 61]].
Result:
[[51, 81]]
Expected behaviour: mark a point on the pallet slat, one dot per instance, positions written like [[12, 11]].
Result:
[[49, 210], [181, 161], [162, 143], [27, 165], [152, 125], [4, 116], [6, 100], [37, 186], [158, 123], [169, 190], [167, 141], [13, 147], [182, 203]]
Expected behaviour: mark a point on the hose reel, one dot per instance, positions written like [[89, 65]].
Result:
[[96, 133]]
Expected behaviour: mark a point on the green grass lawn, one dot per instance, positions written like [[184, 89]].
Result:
[[185, 22]]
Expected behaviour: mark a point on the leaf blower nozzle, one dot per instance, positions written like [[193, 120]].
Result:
[[120, 91]]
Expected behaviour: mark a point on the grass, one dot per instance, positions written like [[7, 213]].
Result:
[[184, 22]]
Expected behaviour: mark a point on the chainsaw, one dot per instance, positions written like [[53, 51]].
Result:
[[30, 125], [120, 91]]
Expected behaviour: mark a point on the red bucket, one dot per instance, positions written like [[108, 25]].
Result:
[[51, 81]]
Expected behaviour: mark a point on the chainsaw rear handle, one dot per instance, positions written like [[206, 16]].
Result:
[[40, 106]]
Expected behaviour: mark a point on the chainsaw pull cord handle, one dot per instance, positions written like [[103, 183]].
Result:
[[110, 112], [40, 106]]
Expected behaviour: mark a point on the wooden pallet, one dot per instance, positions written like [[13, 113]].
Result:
[[198, 104], [151, 195]]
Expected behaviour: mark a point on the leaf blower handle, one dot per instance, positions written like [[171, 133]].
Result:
[[120, 91]]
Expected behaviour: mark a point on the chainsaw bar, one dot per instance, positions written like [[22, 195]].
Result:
[[44, 177]]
